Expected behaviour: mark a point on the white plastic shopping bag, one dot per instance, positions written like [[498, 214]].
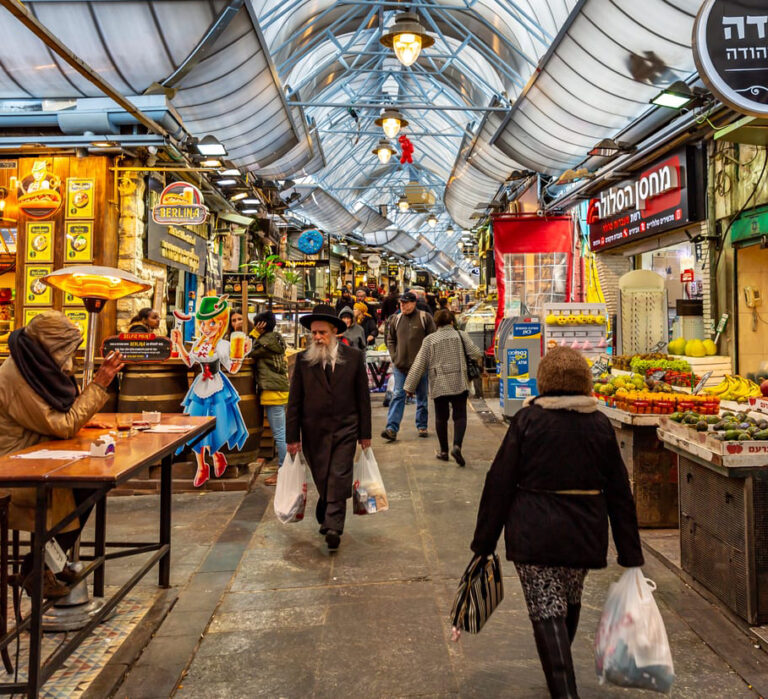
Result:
[[291, 490], [369, 495], [631, 645]]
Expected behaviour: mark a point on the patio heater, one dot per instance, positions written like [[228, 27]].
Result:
[[95, 286]]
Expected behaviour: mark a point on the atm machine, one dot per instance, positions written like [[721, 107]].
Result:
[[518, 353]]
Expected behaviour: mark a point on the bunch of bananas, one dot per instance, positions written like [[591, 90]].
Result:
[[735, 388]]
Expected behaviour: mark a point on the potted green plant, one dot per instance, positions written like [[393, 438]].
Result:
[[292, 278], [265, 269]]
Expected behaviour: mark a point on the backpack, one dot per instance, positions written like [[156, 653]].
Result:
[[422, 318]]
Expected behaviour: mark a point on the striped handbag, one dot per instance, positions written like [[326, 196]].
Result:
[[480, 592]]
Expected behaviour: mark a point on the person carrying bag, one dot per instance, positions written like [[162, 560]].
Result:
[[447, 356], [557, 480]]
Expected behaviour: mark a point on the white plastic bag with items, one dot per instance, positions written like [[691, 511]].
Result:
[[291, 490], [369, 495], [631, 645]]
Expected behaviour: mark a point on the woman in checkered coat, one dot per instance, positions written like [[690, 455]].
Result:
[[443, 355]]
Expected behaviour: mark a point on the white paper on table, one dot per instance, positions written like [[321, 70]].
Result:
[[68, 454], [170, 429]]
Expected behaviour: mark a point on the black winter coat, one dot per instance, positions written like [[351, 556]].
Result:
[[559, 443], [329, 420], [370, 328]]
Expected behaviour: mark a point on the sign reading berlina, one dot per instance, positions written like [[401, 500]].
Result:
[[180, 203], [656, 200], [730, 47]]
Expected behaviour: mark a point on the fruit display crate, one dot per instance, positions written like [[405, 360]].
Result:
[[742, 457], [625, 418], [719, 365], [575, 334]]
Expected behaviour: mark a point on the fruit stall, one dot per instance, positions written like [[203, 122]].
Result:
[[723, 492]]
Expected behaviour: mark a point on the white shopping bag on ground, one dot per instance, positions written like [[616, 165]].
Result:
[[369, 495], [291, 490], [631, 645]]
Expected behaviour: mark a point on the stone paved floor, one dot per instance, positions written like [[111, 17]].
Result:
[[371, 620]]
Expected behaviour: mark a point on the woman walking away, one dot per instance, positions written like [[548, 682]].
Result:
[[557, 479], [443, 355], [272, 376]]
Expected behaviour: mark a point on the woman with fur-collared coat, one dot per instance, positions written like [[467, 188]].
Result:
[[556, 481]]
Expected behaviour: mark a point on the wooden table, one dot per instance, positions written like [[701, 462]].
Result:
[[132, 453]]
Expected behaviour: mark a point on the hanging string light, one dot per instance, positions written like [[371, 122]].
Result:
[[391, 121], [432, 220], [384, 151], [407, 38]]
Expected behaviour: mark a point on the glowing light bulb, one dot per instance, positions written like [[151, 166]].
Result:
[[403, 204], [391, 126], [407, 47], [432, 221], [384, 154]]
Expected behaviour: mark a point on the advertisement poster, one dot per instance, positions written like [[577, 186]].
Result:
[[80, 197], [40, 242], [79, 246], [30, 313], [37, 292], [38, 192], [80, 318]]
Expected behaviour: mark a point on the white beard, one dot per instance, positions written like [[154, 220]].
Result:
[[321, 354]]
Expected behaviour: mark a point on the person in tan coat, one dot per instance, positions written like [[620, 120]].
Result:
[[40, 401]]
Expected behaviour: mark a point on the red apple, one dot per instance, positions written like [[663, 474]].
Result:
[[764, 388]]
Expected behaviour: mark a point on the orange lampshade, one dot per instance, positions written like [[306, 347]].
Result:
[[87, 281]]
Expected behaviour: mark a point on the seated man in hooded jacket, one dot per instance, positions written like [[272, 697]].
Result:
[[40, 401]]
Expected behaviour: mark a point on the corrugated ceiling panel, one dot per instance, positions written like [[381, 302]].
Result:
[[613, 59], [467, 188], [325, 211], [371, 220]]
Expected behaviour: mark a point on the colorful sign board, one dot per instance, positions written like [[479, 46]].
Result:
[[80, 197], [310, 242], [79, 316], [79, 242], [731, 53], [658, 199], [751, 226], [39, 242], [39, 192], [180, 204], [36, 291]]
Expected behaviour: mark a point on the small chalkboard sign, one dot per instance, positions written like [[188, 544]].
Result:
[[138, 348], [701, 383]]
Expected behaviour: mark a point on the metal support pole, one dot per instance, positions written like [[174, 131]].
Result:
[[90, 348], [164, 575], [99, 547], [38, 567]]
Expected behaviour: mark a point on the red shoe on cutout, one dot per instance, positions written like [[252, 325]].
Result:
[[202, 475], [219, 464]]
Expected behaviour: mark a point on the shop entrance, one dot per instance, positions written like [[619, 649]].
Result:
[[751, 288]]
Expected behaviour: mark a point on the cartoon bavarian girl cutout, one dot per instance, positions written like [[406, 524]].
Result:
[[212, 392]]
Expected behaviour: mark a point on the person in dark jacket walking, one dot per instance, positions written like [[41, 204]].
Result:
[[556, 481], [329, 410], [366, 322], [391, 303], [272, 379], [354, 334]]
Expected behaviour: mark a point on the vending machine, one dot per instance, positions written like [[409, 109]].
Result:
[[518, 352]]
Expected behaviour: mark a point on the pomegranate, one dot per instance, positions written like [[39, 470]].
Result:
[[764, 388]]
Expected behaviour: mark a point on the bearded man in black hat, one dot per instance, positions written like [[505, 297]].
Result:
[[329, 409]]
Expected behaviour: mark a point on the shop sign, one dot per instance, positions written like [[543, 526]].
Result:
[[374, 261], [40, 242], [138, 348], [180, 204], [36, 291], [422, 278], [393, 270], [39, 192], [730, 48], [655, 201], [308, 264], [79, 242], [79, 316], [176, 246], [80, 197], [234, 283], [310, 242], [686, 276], [751, 226]]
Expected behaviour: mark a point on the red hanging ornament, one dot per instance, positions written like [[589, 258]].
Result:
[[406, 149]]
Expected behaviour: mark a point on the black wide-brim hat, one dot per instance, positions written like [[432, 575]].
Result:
[[323, 312]]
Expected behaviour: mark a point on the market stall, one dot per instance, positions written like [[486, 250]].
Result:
[[723, 485]]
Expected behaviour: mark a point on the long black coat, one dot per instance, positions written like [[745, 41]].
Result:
[[559, 444], [329, 419]]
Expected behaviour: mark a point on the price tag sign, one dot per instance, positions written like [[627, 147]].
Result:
[[599, 368], [138, 348], [658, 347], [701, 383], [658, 375], [722, 323]]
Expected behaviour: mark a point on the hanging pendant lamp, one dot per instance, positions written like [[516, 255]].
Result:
[[384, 151], [391, 120], [407, 37]]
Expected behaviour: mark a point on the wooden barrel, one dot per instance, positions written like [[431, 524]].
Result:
[[245, 385], [153, 387]]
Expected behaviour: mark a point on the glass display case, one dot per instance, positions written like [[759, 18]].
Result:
[[478, 322]]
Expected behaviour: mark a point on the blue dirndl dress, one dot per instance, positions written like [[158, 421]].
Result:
[[212, 393]]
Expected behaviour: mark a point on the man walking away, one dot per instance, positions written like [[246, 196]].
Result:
[[404, 334], [329, 409]]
